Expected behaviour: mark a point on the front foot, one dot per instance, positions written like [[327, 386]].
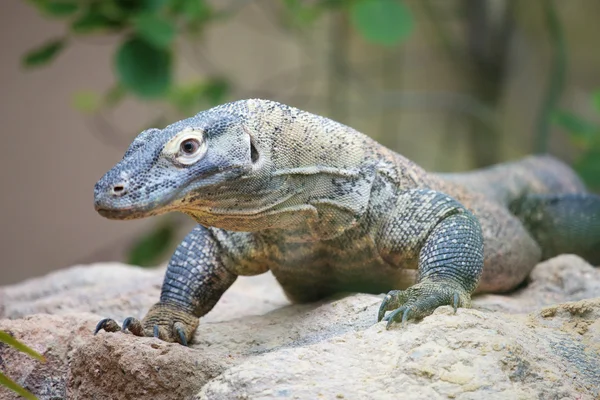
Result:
[[164, 321], [420, 300]]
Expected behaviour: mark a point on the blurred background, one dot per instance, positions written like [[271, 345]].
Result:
[[451, 84]]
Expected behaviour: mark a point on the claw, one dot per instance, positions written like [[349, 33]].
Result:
[[392, 317], [126, 323], [405, 316], [383, 307], [108, 324], [389, 321], [178, 327], [455, 302], [391, 300], [420, 300]]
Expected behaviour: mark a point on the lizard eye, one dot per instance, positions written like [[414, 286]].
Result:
[[189, 146], [186, 148]]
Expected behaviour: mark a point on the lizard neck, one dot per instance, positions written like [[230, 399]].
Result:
[[312, 177], [312, 204]]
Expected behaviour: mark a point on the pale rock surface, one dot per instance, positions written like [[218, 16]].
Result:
[[255, 345]]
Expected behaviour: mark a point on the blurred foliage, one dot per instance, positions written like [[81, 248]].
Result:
[[585, 136], [150, 249], [44, 53], [385, 21], [6, 381], [149, 32], [145, 58]]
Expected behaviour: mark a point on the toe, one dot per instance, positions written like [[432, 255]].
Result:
[[392, 300], [107, 324], [179, 331], [421, 299], [395, 315], [134, 326]]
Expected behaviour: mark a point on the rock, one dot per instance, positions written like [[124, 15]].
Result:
[[558, 280], [255, 345], [55, 337], [471, 355], [120, 291]]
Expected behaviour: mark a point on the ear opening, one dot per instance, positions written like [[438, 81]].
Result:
[[253, 152]]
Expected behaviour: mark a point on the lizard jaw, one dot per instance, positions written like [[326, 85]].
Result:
[[109, 210], [122, 213]]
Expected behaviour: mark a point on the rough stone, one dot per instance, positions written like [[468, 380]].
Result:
[[542, 341]]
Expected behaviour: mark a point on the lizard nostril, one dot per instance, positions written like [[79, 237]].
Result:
[[119, 190]]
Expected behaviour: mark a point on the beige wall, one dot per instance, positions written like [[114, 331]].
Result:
[[50, 160], [52, 155]]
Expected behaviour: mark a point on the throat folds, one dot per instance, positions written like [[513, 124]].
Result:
[[309, 203]]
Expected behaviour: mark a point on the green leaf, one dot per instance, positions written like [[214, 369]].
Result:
[[301, 14], [596, 100], [197, 10], [11, 341], [143, 69], [59, 8], [154, 29], [194, 14], [86, 101], [581, 132], [151, 248], [95, 19], [15, 387], [43, 54], [384, 22], [154, 5], [588, 167], [56, 8]]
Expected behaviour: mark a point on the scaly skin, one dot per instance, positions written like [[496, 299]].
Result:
[[326, 209]]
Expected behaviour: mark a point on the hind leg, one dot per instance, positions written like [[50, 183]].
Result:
[[562, 223]]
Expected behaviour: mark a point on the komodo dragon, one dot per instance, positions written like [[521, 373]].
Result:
[[327, 209]]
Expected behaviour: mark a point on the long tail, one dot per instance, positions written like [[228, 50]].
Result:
[[564, 223], [548, 198]]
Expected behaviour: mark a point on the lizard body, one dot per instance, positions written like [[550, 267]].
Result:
[[327, 209]]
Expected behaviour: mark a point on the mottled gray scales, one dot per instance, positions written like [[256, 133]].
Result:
[[327, 209]]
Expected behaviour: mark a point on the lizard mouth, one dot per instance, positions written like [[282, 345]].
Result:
[[128, 213]]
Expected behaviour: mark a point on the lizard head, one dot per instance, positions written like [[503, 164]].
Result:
[[183, 165]]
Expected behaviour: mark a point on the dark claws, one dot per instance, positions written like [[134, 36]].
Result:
[[126, 323], [100, 325], [108, 324], [181, 334], [389, 321], [393, 315], [455, 302], [383, 307], [136, 327], [405, 316]]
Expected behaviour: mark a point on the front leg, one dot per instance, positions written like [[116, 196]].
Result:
[[447, 241], [195, 280]]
